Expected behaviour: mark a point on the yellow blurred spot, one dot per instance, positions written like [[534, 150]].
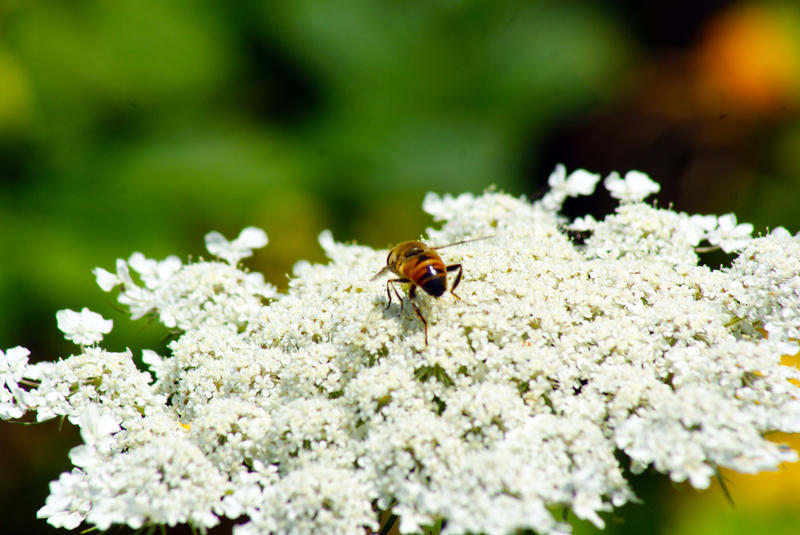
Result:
[[15, 92], [750, 57], [766, 494], [792, 360], [186, 427], [766, 491]]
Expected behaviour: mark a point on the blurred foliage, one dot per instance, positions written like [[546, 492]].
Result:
[[140, 125]]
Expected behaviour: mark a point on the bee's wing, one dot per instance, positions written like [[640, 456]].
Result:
[[381, 272]]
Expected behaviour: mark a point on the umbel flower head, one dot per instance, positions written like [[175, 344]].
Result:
[[562, 366]]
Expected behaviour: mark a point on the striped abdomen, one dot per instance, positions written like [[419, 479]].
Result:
[[427, 271]]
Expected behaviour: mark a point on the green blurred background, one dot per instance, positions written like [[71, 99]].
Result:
[[140, 125]]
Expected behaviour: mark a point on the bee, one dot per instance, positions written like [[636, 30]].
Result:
[[419, 265]]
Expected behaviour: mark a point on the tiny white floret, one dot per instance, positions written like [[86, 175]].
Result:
[[729, 235], [579, 182], [106, 280], [84, 327], [12, 365], [780, 232], [96, 424], [242, 247], [584, 224], [635, 187]]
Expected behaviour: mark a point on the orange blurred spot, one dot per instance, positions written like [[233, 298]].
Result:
[[749, 57]]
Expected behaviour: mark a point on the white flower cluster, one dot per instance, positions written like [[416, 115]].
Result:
[[315, 410]]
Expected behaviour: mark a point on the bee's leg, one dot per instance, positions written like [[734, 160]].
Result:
[[411, 294], [389, 295], [454, 267]]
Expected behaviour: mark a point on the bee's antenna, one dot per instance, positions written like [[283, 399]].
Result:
[[463, 241], [381, 272]]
